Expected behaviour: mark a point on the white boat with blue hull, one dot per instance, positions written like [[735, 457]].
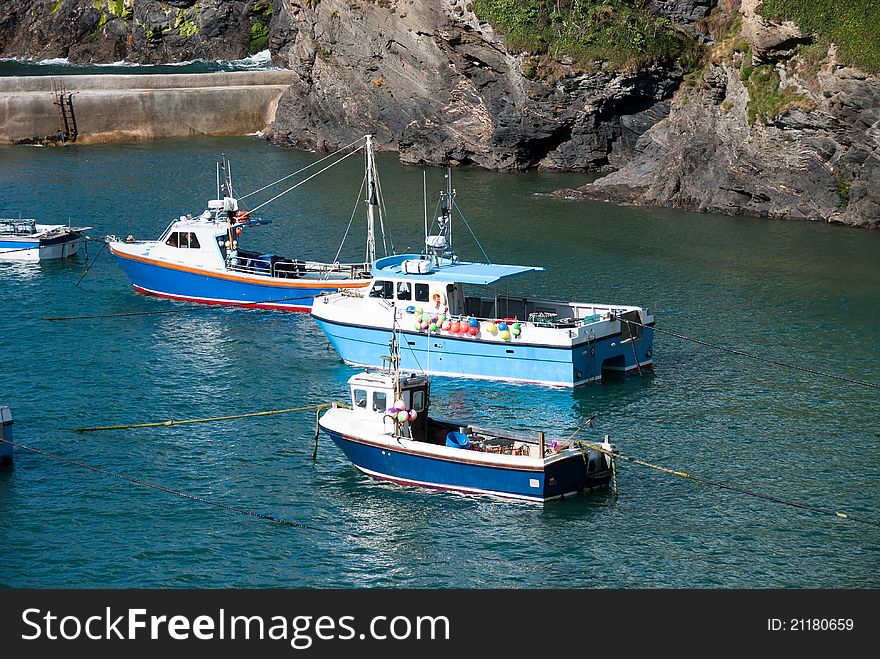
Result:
[[25, 240], [405, 445], [451, 327], [199, 259]]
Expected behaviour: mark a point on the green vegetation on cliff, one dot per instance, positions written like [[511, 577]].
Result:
[[619, 32], [259, 37], [853, 25]]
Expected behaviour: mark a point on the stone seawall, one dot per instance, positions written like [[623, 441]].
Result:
[[116, 108]]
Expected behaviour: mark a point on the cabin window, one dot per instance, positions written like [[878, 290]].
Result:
[[404, 292], [380, 401], [418, 400], [421, 293], [360, 397], [185, 239], [382, 289]]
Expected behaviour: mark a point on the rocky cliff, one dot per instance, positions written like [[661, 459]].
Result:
[[775, 125], [142, 31], [426, 77], [433, 82]]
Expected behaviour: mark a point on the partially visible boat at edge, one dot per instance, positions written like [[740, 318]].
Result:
[[389, 434], [5, 436], [198, 259], [25, 240]]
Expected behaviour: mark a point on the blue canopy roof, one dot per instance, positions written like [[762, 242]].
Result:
[[448, 271]]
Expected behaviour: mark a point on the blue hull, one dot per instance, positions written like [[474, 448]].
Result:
[[559, 478], [441, 354], [196, 287]]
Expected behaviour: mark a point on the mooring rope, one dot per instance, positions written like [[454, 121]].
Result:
[[94, 260], [759, 358], [725, 486], [168, 490], [158, 424], [200, 307]]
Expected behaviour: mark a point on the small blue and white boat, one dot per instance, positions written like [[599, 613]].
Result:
[[198, 259], [452, 326], [25, 240], [388, 434]]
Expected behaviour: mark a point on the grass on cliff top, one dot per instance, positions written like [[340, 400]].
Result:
[[854, 25], [619, 32]]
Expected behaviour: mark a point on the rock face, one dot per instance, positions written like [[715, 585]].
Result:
[[143, 31], [818, 158], [429, 80]]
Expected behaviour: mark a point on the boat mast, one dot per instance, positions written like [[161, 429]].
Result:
[[425, 196], [440, 246], [372, 201], [450, 195]]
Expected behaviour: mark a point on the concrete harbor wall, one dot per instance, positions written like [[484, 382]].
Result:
[[116, 108]]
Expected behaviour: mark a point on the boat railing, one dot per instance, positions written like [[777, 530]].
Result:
[[18, 227], [285, 269], [348, 270]]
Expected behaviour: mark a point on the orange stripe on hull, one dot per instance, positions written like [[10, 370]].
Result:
[[263, 281]]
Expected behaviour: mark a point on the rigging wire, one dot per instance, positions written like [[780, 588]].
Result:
[[383, 211], [473, 235], [351, 219], [759, 358], [300, 171], [305, 180]]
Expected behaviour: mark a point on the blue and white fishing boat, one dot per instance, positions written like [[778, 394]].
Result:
[[388, 434], [25, 240], [455, 325], [198, 259]]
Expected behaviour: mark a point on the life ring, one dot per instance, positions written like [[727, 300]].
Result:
[[242, 216]]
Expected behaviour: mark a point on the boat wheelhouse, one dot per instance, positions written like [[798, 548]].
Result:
[[25, 240], [389, 434]]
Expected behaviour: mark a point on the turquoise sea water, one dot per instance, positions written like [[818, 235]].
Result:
[[796, 292]]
